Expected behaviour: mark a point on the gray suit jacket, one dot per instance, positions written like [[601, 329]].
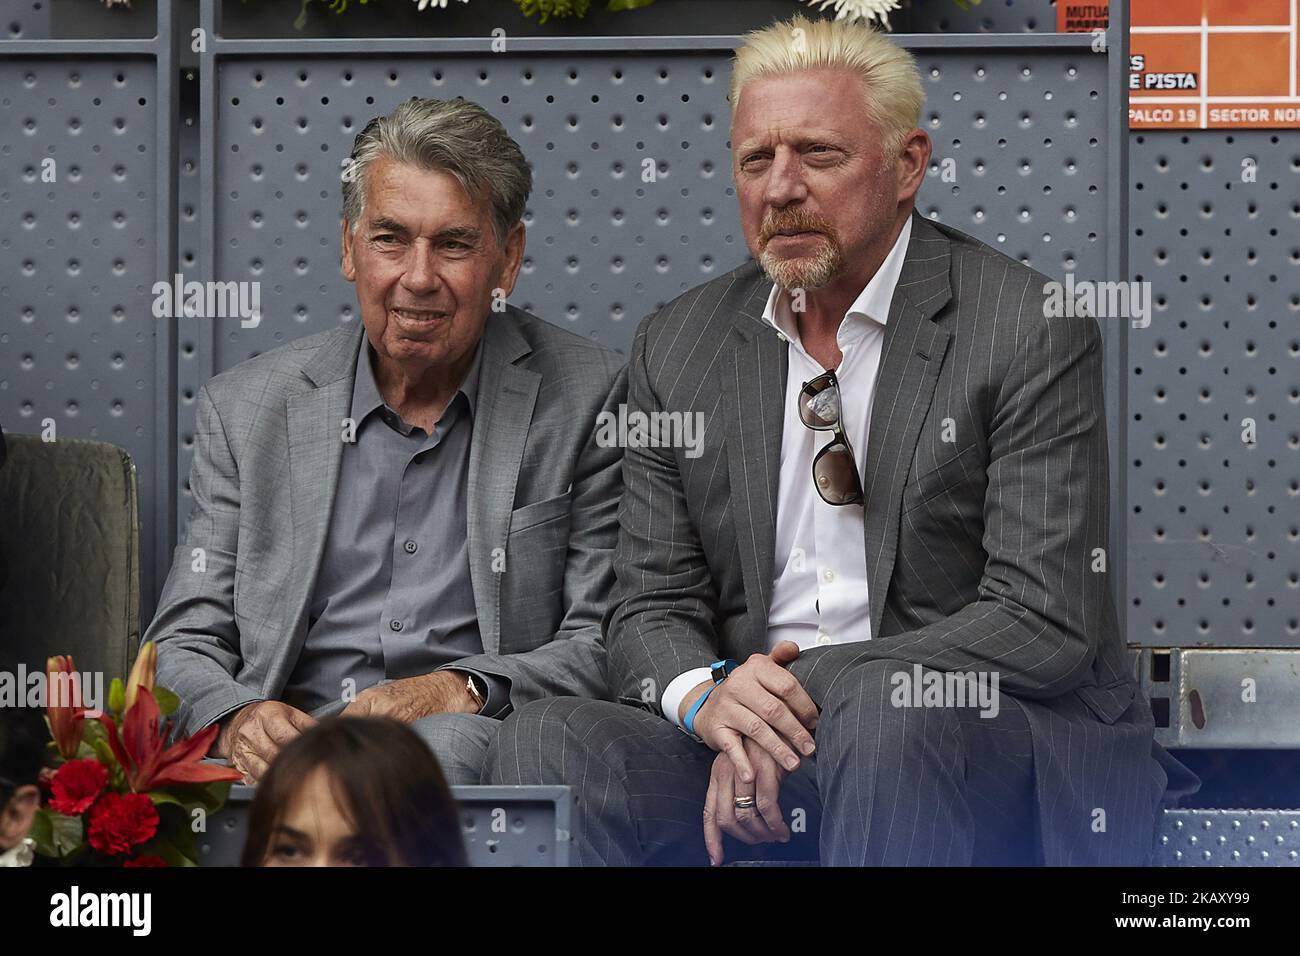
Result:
[[267, 447], [980, 550]]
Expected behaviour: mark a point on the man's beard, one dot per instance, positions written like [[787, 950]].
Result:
[[811, 271]]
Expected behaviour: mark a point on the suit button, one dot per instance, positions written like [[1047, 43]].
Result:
[[411, 547], [395, 625]]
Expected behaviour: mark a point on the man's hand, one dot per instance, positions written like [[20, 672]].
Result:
[[761, 701], [442, 692], [254, 734], [760, 824]]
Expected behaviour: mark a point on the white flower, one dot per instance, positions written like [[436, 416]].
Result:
[[440, 4], [868, 10]]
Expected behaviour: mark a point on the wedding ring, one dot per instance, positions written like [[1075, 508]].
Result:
[[744, 803]]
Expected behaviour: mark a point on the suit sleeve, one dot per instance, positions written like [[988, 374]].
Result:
[[573, 664], [194, 628], [1043, 597], [661, 620]]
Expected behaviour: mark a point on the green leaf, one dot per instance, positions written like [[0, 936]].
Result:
[[619, 5], [167, 701], [56, 835], [210, 796], [116, 696], [159, 797]]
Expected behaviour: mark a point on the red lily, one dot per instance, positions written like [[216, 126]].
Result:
[[65, 715], [147, 765]]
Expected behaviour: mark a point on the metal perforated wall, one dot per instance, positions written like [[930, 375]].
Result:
[[1214, 390], [24, 19], [84, 196]]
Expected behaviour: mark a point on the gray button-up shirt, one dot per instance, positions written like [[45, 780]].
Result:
[[393, 597]]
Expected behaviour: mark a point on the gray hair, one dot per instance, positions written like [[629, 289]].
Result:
[[456, 136]]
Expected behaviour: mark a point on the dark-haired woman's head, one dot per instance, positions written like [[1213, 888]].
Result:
[[354, 791]]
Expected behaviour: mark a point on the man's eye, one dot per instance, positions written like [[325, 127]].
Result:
[[455, 244], [385, 238]]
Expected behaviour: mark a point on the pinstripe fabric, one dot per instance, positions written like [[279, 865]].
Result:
[[986, 509], [541, 522], [888, 786]]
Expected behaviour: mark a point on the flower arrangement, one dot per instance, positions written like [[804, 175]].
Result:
[[120, 796]]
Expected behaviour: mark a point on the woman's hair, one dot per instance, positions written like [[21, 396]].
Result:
[[891, 84], [386, 782], [23, 736]]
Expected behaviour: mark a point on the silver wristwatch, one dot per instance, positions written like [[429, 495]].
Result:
[[472, 686]]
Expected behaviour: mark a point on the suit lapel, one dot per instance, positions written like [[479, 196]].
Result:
[[753, 389], [912, 355], [504, 412], [315, 424]]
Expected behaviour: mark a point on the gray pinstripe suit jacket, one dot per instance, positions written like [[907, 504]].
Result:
[[267, 448], [980, 551]]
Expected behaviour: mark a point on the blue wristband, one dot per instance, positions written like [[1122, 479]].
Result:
[[688, 722]]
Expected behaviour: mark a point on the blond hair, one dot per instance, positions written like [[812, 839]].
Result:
[[892, 93]]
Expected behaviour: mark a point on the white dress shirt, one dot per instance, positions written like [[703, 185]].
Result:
[[820, 593]]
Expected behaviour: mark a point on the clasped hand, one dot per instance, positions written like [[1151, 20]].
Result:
[[760, 719]]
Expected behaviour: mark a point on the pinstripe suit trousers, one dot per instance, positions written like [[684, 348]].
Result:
[[888, 786]]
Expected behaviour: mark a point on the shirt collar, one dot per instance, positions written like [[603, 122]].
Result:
[[872, 303], [365, 390]]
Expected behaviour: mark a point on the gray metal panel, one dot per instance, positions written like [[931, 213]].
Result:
[[1214, 528], [517, 826], [188, 238], [79, 343], [25, 19], [1228, 838], [1224, 699]]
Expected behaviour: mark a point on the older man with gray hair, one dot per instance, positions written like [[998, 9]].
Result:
[[411, 516]]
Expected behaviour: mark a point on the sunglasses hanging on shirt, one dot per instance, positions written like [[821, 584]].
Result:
[[835, 472]]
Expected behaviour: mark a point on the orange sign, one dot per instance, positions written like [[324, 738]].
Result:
[[1205, 64]]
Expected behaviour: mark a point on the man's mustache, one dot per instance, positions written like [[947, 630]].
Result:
[[797, 223]]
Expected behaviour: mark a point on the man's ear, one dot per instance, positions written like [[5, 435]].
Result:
[[347, 266], [17, 816], [514, 257], [913, 160]]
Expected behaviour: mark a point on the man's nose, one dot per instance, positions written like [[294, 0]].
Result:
[[421, 274], [785, 183]]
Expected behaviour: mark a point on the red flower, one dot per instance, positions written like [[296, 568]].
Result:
[[64, 706], [146, 860], [76, 785], [139, 749], [122, 821]]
